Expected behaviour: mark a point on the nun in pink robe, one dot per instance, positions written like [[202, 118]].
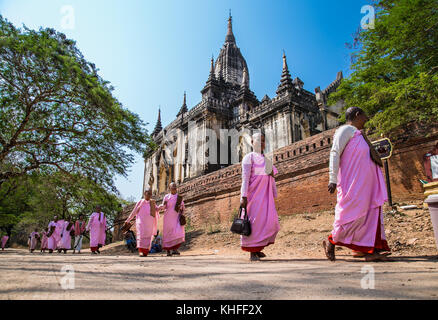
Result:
[[97, 227], [257, 195], [56, 235], [61, 230], [65, 241], [44, 241], [361, 192], [34, 236], [145, 223], [4, 240], [173, 231]]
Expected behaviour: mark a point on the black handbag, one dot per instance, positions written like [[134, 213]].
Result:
[[182, 219], [241, 226]]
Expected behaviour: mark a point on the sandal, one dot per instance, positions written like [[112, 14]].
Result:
[[254, 257], [358, 254], [329, 254], [261, 254], [372, 257], [377, 256]]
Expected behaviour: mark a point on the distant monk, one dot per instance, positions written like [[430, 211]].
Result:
[[355, 172], [79, 233], [4, 240], [146, 214], [59, 244], [44, 240], [67, 231], [97, 227], [173, 231], [257, 196], [33, 239], [54, 235]]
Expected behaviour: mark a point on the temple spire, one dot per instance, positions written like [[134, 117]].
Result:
[[184, 108], [211, 83], [211, 76], [286, 80], [230, 35], [158, 126], [285, 67]]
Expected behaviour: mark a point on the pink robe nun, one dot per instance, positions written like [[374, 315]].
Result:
[[260, 190], [4, 240], [65, 242], [173, 231], [33, 240], [44, 241], [146, 225], [361, 193], [97, 227], [61, 230], [56, 235]]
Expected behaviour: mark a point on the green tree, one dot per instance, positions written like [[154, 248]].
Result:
[[57, 112], [395, 70], [32, 200], [14, 195]]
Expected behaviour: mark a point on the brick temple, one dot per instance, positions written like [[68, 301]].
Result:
[[227, 102], [304, 126]]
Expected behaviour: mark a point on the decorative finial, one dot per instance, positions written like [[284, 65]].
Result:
[[211, 76], [230, 35], [158, 126], [286, 80], [285, 67], [184, 108]]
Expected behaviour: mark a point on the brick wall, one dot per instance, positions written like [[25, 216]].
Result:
[[406, 167]]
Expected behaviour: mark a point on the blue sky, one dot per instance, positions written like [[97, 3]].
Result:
[[153, 51]]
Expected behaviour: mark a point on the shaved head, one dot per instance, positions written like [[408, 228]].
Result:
[[147, 193], [172, 187], [258, 142]]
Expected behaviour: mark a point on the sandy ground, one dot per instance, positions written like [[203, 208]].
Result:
[[212, 266], [215, 276]]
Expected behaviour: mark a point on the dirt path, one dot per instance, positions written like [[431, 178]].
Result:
[[203, 276], [212, 266]]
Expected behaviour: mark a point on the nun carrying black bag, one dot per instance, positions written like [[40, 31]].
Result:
[[241, 225]]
